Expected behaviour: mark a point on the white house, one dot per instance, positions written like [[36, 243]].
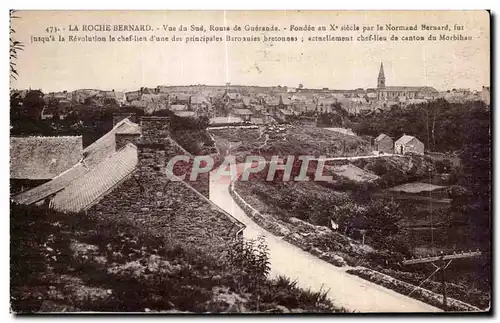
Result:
[[408, 144]]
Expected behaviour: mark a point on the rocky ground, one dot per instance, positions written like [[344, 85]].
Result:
[[71, 263], [284, 140]]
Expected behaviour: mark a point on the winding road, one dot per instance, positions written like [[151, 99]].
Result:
[[348, 291]]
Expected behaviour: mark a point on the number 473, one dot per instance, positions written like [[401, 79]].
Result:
[[51, 29]]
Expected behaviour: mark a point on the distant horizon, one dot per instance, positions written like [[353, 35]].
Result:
[[127, 66], [241, 85]]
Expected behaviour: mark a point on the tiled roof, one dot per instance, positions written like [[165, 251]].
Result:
[[225, 120], [246, 100], [55, 185], [233, 96], [273, 102], [382, 136], [43, 157], [185, 114], [105, 146], [178, 107], [409, 88], [182, 97], [405, 139], [198, 99], [242, 112], [286, 112], [86, 190], [128, 127]]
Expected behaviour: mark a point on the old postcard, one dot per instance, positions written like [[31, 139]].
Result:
[[250, 161]]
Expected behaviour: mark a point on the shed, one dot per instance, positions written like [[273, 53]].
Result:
[[384, 143]]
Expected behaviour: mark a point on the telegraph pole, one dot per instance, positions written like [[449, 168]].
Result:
[[443, 265], [443, 283]]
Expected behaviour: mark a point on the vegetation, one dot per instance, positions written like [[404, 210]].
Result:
[[72, 262], [440, 125], [15, 47], [285, 140], [376, 221]]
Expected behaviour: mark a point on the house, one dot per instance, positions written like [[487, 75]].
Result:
[[36, 160], [133, 96], [152, 107], [199, 102], [244, 114], [246, 101], [93, 155], [384, 143], [48, 113], [43, 157], [225, 121], [232, 97], [272, 104], [257, 109], [117, 96], [134, 182], [285, 102], [185, 114], [181, 98], [325, 104], [391, 93], [284, 115], [486, 95], [178, 107], [408, 144], [300, 108]]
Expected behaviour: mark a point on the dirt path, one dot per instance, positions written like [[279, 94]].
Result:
[[346, 290]]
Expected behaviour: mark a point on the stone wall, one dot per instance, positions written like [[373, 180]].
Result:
[[168, 208], [156, 129], [289, 231], [121, 139], [119, 116]]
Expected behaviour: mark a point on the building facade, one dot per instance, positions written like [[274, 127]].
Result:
[[399, 93]]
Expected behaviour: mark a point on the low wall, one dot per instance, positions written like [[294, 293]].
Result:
[[404, 288], [272, 225], [279, 228]]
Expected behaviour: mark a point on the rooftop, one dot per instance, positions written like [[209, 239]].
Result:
[[39, 158]]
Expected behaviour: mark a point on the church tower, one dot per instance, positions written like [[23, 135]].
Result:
[[381, 77]]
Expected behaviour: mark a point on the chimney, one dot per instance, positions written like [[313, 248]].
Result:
[[152, 146], [119, 116], [122, 139]]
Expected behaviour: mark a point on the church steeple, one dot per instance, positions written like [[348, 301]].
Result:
[[381, 77]]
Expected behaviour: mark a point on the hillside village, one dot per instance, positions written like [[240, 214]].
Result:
[[100, 157], [233, 104]]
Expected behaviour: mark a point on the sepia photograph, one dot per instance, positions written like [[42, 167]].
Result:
[[280, 162]]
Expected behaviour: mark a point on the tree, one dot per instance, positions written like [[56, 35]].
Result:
[[33, 103], [15, 47]]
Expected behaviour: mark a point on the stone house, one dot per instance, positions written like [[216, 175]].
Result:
[[384, 143], [408, 144], [36, 160], [133, 182], [244, 114]]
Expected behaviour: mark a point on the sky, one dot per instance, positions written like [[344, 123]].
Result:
[[68, 66]]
